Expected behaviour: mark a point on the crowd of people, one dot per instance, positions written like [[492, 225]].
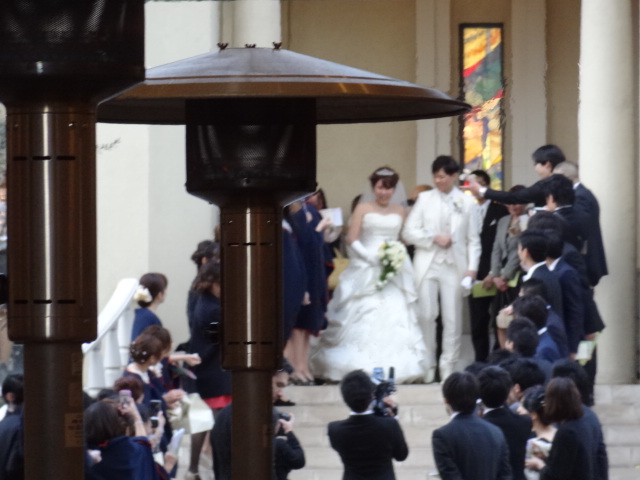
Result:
[[526, 261]]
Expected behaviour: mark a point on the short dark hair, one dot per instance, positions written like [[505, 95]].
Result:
[[476, 367], [14, 383], [483, 175], [562, 400], [387, 175], [561, 188], [498, 356], [495, 384], [461, 391], [544, 220], [533, 307], [357, 390], [548, 153], [535, 243], [524, 372], [156, 283], [446, 163], [573, 370], [555, 243], [524, 335]]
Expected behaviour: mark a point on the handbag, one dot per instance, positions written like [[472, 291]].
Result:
[[340, 262]]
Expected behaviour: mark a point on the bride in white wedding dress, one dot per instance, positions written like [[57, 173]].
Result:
[[371, 326]]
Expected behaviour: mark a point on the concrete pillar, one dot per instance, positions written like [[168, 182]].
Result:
[[433, 69], [608, 165], [256, 22]]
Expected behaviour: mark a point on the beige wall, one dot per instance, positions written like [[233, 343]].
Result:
[[146, 219], [374, 35], [563, 51]]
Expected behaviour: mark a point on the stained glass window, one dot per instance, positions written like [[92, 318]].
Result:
[[483, 88]]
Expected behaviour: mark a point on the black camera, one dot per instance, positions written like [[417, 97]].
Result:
[[286, 417], [384, 388]]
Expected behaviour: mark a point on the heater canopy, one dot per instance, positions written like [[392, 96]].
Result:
[[342, 94]]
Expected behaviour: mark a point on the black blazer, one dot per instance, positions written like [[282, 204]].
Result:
[[367, 444], [575, 226], [587, 204], [575, 452], [470, 448], [495, 212], [536, 193], [517, 430]]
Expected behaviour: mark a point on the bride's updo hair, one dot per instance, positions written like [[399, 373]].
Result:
[[388, 176]]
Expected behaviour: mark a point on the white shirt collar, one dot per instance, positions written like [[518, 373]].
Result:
[[366, 412], [553, 264], [531, 270], [542, 330]]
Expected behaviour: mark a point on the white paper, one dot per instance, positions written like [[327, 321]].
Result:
[[335, 214]]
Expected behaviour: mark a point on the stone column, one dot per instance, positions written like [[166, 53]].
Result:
[[256, 22], [606, 125]]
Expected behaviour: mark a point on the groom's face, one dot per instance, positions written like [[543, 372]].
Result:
[[445, 182]]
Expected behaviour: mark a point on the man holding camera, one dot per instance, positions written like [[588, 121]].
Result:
[[366, 442]]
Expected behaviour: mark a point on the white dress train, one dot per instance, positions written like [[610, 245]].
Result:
[[370, 327]]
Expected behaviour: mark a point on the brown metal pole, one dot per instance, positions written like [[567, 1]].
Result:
[[52, 265], [251, 234]]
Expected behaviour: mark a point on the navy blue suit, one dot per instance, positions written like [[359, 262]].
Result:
[[552, 290], [555, 328], [573, 312], [470, 448]]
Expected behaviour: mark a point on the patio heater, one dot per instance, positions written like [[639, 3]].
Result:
[[251, 116], [58, 59]]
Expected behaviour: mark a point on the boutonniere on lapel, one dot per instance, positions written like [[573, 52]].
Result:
[[458, 202]]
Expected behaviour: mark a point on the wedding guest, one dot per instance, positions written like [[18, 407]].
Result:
[[149, 295], [572, 453], [468, 447], [539, 446]]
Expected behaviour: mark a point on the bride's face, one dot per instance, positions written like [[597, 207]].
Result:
[[382, 193]]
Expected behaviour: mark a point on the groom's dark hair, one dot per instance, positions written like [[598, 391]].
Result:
[[357, 390], [447, 163]]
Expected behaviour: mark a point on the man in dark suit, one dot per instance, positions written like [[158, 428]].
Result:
[[587, 204], [545, 159], [479, 308], [468, 447], [495, 385], [560, 199], [367, 443], [532, 250]]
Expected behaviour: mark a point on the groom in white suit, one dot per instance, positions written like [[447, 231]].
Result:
[[444, 228]]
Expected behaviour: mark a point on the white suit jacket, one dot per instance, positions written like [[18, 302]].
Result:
[[423, 224]]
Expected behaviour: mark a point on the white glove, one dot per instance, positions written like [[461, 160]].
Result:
[[364, 253]]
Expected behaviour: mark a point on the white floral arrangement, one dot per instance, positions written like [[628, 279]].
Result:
[[142, 294], [458, 203], [392, 255]]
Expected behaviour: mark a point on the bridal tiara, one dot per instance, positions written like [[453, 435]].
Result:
[[385, 171]]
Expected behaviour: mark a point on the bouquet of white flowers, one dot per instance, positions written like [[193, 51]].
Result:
[[392, 255]]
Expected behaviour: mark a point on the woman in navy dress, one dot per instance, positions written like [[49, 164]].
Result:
[[149, 295], [307, 228]]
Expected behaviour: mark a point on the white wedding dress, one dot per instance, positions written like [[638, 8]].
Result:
[[367, 327]]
